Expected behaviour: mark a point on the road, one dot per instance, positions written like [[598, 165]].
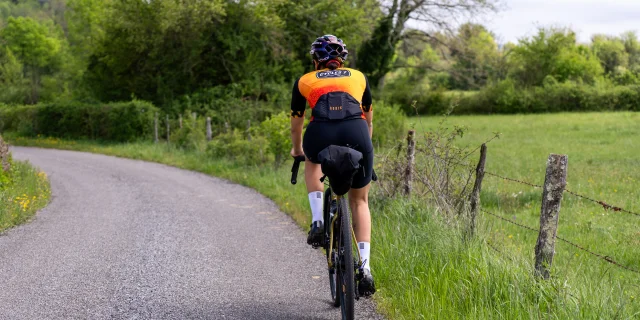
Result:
[[127, 239]]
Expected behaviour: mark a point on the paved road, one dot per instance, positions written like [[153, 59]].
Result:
[[125, 239]]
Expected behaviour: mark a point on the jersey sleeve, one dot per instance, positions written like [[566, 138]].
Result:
[[298, 102], [367, 100]]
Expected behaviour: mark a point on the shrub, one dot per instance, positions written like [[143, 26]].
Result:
[[192, 134], [121, 121], [277, 130], [235, 146], [388, 124], [504, 97]]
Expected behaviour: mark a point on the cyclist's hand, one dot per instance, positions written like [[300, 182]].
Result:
[[295, 152]]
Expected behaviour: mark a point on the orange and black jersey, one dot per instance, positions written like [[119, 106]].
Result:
[[339, 94]]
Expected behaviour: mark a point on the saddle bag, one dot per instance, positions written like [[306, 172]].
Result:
[[340, 164]]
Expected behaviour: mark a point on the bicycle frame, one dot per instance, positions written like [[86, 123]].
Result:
[[353, 234]]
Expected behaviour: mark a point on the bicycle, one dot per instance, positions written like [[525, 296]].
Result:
[[345, 272]]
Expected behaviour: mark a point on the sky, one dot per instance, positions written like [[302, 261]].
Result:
[[520, 18]]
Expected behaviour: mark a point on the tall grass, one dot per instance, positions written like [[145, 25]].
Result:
[[26, 191]]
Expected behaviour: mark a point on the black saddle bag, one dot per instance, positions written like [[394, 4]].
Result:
[[340, 164]]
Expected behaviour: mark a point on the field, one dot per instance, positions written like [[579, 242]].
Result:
[[603, 152], [422, 270]]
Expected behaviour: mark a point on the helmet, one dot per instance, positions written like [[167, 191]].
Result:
[[328, 47]]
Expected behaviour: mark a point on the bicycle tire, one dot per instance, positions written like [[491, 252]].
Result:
[[346, 269], [326, 211]]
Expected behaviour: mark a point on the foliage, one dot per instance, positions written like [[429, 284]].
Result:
[[388, 124], [611, 52], [237, 147], [505, 97], [192, 134], [475, 53], [277, 130], [553, 52], [122, 121], [235, 104], [33, 45], [389, 31], [23, 190]]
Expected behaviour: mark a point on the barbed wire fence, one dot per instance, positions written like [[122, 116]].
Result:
[[553, 190]]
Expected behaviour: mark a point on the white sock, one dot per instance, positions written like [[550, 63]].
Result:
[[316, 200], [364, 248]]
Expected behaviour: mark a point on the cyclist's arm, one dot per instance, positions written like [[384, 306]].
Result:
[[298, 104], [367, 107]]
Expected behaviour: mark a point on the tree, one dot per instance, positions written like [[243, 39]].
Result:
[[435, 14], [13, 87], [553, 52], [34, 47], [632, 47], [611, 52], [305, 20], [476, 55], [156, 50]]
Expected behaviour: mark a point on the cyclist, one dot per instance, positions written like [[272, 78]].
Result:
[[340, 100]]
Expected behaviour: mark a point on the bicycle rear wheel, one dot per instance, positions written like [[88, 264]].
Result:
[[346, 281], [333, 253]]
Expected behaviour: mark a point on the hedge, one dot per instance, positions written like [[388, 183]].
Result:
[[505, 98], [119, 122]]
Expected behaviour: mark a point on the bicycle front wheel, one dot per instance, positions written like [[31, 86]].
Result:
[[346, 270], [333, 252]]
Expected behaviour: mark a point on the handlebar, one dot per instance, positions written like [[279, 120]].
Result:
[[294, 169]]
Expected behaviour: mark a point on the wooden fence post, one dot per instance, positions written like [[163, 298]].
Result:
[[249, 130], [193, 114], [226, 127], [168, 128], [477, 187], [209, 133], [411, 152], [554, 184], [180, 121], [155, 128]]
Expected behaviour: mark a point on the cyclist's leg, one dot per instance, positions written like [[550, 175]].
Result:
[[312, 175], [312, 144], [359, 203]]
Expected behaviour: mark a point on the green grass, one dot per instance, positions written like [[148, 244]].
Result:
[[422, 268], [604, 154], [21, 195]]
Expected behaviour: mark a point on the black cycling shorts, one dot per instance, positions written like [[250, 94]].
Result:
[[354, 133]]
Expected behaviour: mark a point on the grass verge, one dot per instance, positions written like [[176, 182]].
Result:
[[22, 194], [422, 268]]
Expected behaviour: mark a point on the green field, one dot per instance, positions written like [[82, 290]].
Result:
[[422, 268], [604, 154]]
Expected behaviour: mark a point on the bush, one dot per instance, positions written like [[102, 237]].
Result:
[[504, 97], [120, 122], [388, 124], [235, 146], [192, 134], [236, 103], [277, 130]]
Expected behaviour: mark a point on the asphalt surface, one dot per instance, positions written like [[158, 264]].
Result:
[[126, 239]]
